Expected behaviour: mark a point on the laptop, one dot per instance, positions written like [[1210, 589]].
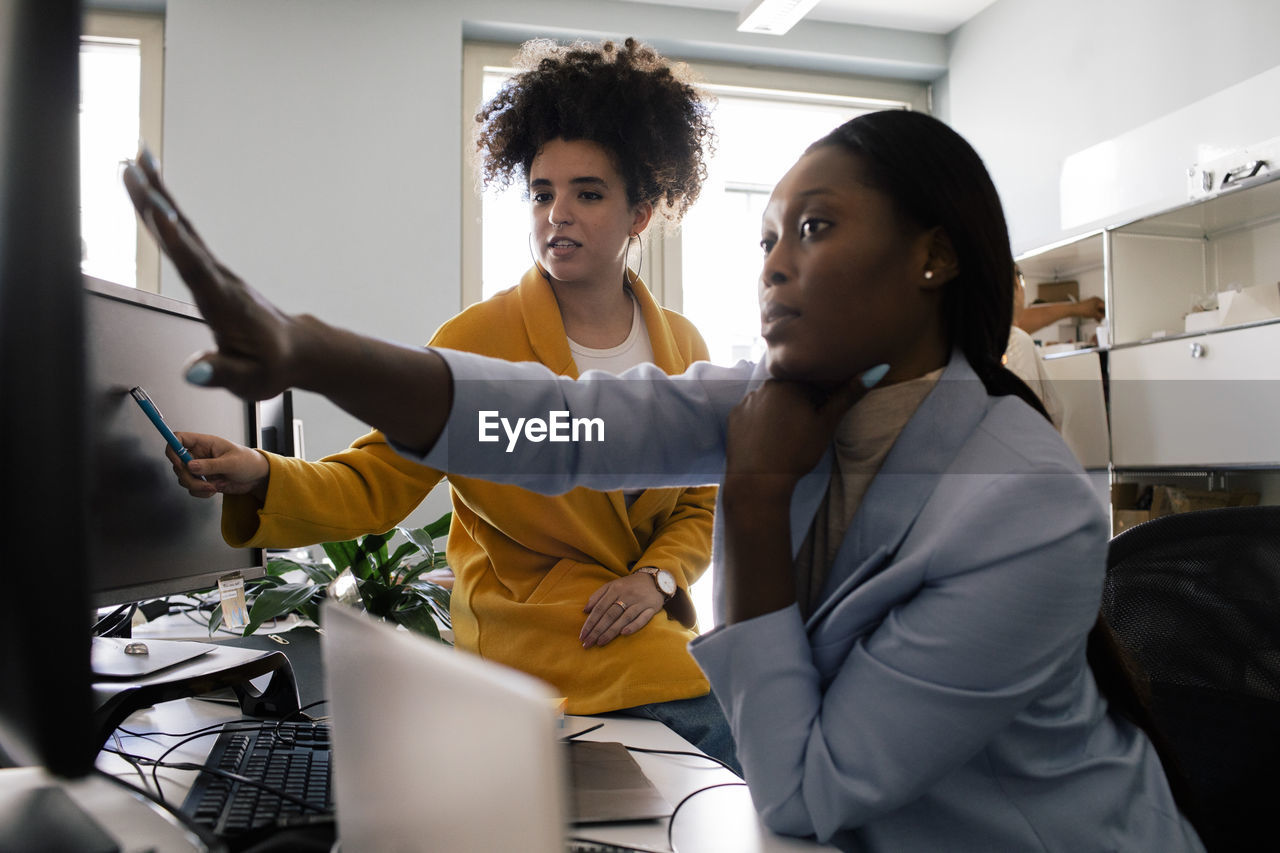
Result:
[[438, 749], [607, 786]]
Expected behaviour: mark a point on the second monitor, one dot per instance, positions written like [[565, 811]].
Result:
[[149, 537]]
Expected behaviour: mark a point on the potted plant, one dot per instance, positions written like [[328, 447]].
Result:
[[361, 572]]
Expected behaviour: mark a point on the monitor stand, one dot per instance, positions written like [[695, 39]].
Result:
[[213, 668], [123, 657]]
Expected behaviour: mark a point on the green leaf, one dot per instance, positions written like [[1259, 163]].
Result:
[[425, 537], [418, 536], [409, 574], [369, 553], [276, 602], [319, 573], [278, 567], [391, 567], [375, 544], [417, 619], [342, 554], [434, 595], [311, 609], [439, 527], [379, 598]]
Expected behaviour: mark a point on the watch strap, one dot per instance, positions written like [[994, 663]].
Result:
[[653, 571]]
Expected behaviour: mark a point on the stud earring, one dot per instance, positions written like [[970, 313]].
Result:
[[928, 273]]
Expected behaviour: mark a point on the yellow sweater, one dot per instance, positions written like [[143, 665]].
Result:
[[524, 563]]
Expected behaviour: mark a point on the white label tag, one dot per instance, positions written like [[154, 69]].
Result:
[[231, 593]]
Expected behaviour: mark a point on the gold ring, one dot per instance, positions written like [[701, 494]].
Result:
[[620, 603]]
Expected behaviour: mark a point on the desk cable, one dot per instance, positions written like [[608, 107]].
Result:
[[216, 728], [702, 755], [671, 822]]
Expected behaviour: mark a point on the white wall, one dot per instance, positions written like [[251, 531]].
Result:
[[317, 143], [314, 145], [1088, 112]]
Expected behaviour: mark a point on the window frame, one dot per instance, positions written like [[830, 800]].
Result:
[[148, 31], [662, 250]]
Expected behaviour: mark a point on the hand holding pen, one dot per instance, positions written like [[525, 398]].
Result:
[[153, 414], [221, 466]]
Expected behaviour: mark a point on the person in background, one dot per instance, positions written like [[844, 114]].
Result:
[[910, 655], [588, 590], [1022, 357], [1032, 318]]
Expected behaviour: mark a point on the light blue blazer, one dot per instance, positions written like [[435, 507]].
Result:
[[938, 697]]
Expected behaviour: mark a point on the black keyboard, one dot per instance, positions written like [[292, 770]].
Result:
[[290, 757]]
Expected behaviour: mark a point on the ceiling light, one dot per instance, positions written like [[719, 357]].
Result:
[[774, 17]]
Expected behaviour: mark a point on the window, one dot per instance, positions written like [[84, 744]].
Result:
[[120, 104], [707, 268]]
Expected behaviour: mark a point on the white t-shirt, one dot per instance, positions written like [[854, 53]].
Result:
[[636, 349], [1022, 356]]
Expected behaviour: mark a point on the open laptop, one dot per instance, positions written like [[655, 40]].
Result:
[[433, 745], [436, 749]]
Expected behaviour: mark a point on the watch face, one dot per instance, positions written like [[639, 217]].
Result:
[[666, 583]]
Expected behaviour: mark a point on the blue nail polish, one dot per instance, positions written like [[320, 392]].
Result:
[[162, 206], [147, 159], [200, 373], [873, 376]]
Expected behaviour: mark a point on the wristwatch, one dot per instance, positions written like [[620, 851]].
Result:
[[664, 579]]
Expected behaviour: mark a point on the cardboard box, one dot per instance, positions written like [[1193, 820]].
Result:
[[1123, 519], [1167, 500], [1124, 495], [1058, 291], [1198, 321]]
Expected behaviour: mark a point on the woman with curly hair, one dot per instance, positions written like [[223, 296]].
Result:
[[588, 590]]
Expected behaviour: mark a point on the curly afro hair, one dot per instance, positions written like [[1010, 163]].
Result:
[[625, 98]]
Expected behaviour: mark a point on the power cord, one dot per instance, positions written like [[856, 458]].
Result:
[[686, 753], [671, 822], [212, 843], [206, 731], [579, 734], [609, 847], [215, 771], [115, 623]]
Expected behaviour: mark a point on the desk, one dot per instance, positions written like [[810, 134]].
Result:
[[720, 820]]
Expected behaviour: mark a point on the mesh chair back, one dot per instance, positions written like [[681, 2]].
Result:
[[1194, 599]]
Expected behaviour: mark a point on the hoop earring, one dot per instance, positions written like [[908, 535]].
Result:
[[538, 264], [639, 265]]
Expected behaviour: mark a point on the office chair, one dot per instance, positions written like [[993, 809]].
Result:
[[1194, 599]]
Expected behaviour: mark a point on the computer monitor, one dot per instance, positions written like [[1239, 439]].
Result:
[[150, 538], [279, 430], [45, 700]]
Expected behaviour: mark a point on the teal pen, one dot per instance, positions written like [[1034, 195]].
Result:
[[153, 414]]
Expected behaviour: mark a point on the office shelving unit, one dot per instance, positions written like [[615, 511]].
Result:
[[1191, 397]]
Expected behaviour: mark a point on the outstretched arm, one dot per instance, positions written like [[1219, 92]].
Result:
[[403, 391], [1035, 317]]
